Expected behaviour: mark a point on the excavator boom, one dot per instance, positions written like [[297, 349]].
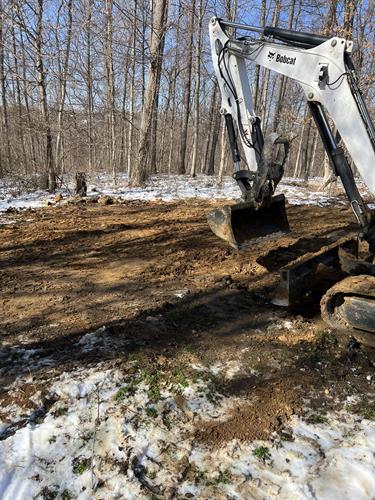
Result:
[[323, 68]]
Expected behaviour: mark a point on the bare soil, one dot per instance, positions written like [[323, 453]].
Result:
[[161, 284]]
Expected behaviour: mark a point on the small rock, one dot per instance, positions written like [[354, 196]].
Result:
[[105, 200], [152, 319], [162, 360], [76, 200]]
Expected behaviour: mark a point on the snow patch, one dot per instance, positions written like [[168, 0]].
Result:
[[104, 436], [176, 187]]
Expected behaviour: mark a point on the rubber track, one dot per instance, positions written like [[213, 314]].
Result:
[[362, 286]]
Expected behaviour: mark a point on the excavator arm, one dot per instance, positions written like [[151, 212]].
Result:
[[323, 68]]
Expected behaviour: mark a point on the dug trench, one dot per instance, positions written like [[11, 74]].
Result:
[[156, 283]]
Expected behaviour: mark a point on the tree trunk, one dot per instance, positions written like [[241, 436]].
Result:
[[81, 185], [172, 146], [155, 111], [32, 140], [213, 111], [140, 172], [124, 121], [5, 123], [313, 152], [132, 91], [299, 151], [21, 134], [349, 11], [266, 74], [187, 89], [257, 68], [213, 145], [224, 149], [110, 87], [43, 96], [63, 80], [331, 24], [89, 85], [197, 89], [165, 118], [231, 14]]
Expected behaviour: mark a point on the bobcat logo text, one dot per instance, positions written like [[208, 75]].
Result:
[[281, 58]]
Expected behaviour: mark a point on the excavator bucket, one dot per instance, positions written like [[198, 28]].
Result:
[[238, 224]]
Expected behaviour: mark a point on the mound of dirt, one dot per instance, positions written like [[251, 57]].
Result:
[[268, 411]]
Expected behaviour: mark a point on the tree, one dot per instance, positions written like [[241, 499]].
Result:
[[42, 86], [110, 87], [63, 75], [89, 85], [140, 172], [132, 90], [5, 123], [74, 78], [187, 90], [198, 46]]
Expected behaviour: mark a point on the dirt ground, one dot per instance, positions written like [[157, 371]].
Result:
[[161, 284]]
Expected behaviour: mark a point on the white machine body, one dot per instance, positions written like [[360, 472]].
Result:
[[320, 71]]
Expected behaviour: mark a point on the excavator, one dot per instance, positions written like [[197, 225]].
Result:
[[323, 67]]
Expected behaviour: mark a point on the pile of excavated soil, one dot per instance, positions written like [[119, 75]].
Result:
[[267, 410]]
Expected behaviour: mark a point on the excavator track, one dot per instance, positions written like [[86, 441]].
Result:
[[349, 306]]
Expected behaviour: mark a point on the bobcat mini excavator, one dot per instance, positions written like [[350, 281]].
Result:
[[324, 69]]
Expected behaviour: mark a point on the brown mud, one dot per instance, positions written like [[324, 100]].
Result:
[[160, 284]]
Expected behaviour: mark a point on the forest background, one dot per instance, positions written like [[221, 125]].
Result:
[[128, 86]]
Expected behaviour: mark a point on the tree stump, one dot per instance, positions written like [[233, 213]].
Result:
[[81, 186]]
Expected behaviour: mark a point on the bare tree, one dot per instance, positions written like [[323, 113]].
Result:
[[110, 86], [174, 75], [42, 86], [132, 89], [74, 80], [62, 88], [89, 84], [257, 69], [140, 172], [198, 46], [187, 89], [5, 123]]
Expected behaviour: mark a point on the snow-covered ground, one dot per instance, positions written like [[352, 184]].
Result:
[[112, 435], [165, 188]]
